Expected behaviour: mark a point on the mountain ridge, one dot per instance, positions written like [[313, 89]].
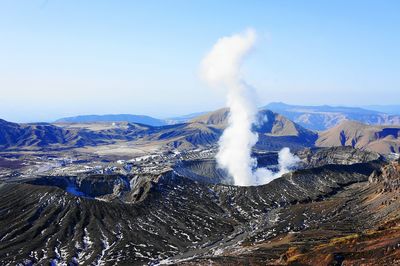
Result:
[[275, 131], [323, 117], [383, 139], [141, 119], [318, 117]]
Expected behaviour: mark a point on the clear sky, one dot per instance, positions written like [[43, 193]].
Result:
[[64, 57]]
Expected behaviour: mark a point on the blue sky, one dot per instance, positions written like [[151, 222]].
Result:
[[63, 58]]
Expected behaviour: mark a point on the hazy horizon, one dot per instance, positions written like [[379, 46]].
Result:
[[62, 59]]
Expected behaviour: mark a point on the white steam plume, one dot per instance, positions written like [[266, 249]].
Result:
[[221, 68], [286, 161]]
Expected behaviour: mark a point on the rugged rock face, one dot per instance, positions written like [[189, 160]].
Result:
[[203, 170], [388, 176], [336, 155], [375, 244], [128, 189], [175, 217], [55, 225], [86, 186], [206, 170]]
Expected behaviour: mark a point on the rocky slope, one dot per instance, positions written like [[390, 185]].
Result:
[[176, 217], [357, 225], [378, 244]]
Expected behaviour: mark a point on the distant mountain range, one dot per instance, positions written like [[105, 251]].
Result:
[[183, 118], [275, 132], [44, 135], [324, 116], [141, 119], [311, 117], [274, 129]]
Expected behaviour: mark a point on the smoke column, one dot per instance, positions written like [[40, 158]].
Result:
[[221, 68]]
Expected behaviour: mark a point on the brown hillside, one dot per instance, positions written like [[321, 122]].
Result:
[[382, 139]]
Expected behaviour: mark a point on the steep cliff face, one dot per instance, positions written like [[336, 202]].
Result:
[[388, 175], [128, 189], [336, 155]]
